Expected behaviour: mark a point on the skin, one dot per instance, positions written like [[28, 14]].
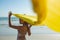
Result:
[[22, 30]]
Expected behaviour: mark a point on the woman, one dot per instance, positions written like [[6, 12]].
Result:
[[22, 30]]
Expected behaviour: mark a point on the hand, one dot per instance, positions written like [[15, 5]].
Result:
[[29, 33], [10, 13]]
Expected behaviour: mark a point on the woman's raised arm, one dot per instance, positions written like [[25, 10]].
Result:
[[10, 25]]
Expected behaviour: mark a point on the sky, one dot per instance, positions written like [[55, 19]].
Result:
[[16, 6]]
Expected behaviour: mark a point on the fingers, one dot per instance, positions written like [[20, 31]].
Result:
[[10, 13]]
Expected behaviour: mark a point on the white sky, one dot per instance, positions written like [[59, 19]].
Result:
[[16, 6]]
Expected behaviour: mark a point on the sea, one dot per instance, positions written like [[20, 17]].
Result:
[[6, 30]]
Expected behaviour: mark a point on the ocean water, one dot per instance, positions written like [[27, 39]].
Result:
[[6, 30]]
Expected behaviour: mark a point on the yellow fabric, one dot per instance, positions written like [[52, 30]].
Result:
[[39, 6], [29, 19], [49, 10]]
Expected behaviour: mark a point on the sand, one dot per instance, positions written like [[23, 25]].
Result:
[[34, 37]]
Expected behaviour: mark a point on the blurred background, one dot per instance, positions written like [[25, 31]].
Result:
[[21, 7]]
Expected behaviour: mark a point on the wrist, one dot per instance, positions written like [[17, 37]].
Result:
[[9, 15]]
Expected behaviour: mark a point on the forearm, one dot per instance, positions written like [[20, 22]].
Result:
[[10, 25], [29, 31], [10, 21]]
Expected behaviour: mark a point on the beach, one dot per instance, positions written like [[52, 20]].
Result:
[[34, 37]]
